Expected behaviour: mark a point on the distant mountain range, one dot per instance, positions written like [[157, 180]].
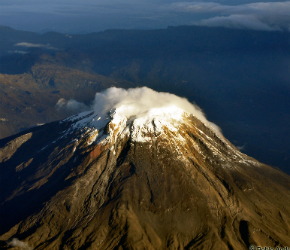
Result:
[[240, 77]]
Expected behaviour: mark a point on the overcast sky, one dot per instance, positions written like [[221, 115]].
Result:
[[74, 16]]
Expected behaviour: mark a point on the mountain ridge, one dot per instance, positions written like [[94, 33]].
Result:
[[240, 78], [184, 187]]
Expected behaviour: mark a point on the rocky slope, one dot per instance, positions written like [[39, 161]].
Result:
[[161, 179], [30, 98]]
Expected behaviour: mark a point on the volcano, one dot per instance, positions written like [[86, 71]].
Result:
[[143, 170]]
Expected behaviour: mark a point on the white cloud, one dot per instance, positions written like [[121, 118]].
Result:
[[34, 45], [100, 15], [197, 7], [17, 243], [72, 106], [138, 102], [268, 16], [213, 7], [141, 102], [238, 22], [29, 45]]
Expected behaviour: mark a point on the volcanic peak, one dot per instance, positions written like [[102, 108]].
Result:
[[138, 128], [140, 114], [153, 176]]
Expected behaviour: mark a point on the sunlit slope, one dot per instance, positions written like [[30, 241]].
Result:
[[139, 178]]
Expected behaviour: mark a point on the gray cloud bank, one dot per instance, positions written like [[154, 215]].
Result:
[[270, 16], [100, 15]]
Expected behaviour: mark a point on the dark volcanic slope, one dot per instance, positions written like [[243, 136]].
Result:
[[189, 189]]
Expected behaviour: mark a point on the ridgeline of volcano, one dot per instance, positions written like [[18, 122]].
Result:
[[152, 180]]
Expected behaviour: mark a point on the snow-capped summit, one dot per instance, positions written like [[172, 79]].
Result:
[[140, 114], [142, 170]]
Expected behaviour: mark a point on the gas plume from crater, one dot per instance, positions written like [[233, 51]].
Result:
[[144, 103]]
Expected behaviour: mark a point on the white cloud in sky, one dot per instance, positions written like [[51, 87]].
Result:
[[35, 45], [269, 16], [152, 14], [238, 22], [214, 7]]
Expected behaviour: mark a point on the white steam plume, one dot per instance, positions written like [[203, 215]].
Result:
[[17, 243], [71, 105], [139, 102]]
